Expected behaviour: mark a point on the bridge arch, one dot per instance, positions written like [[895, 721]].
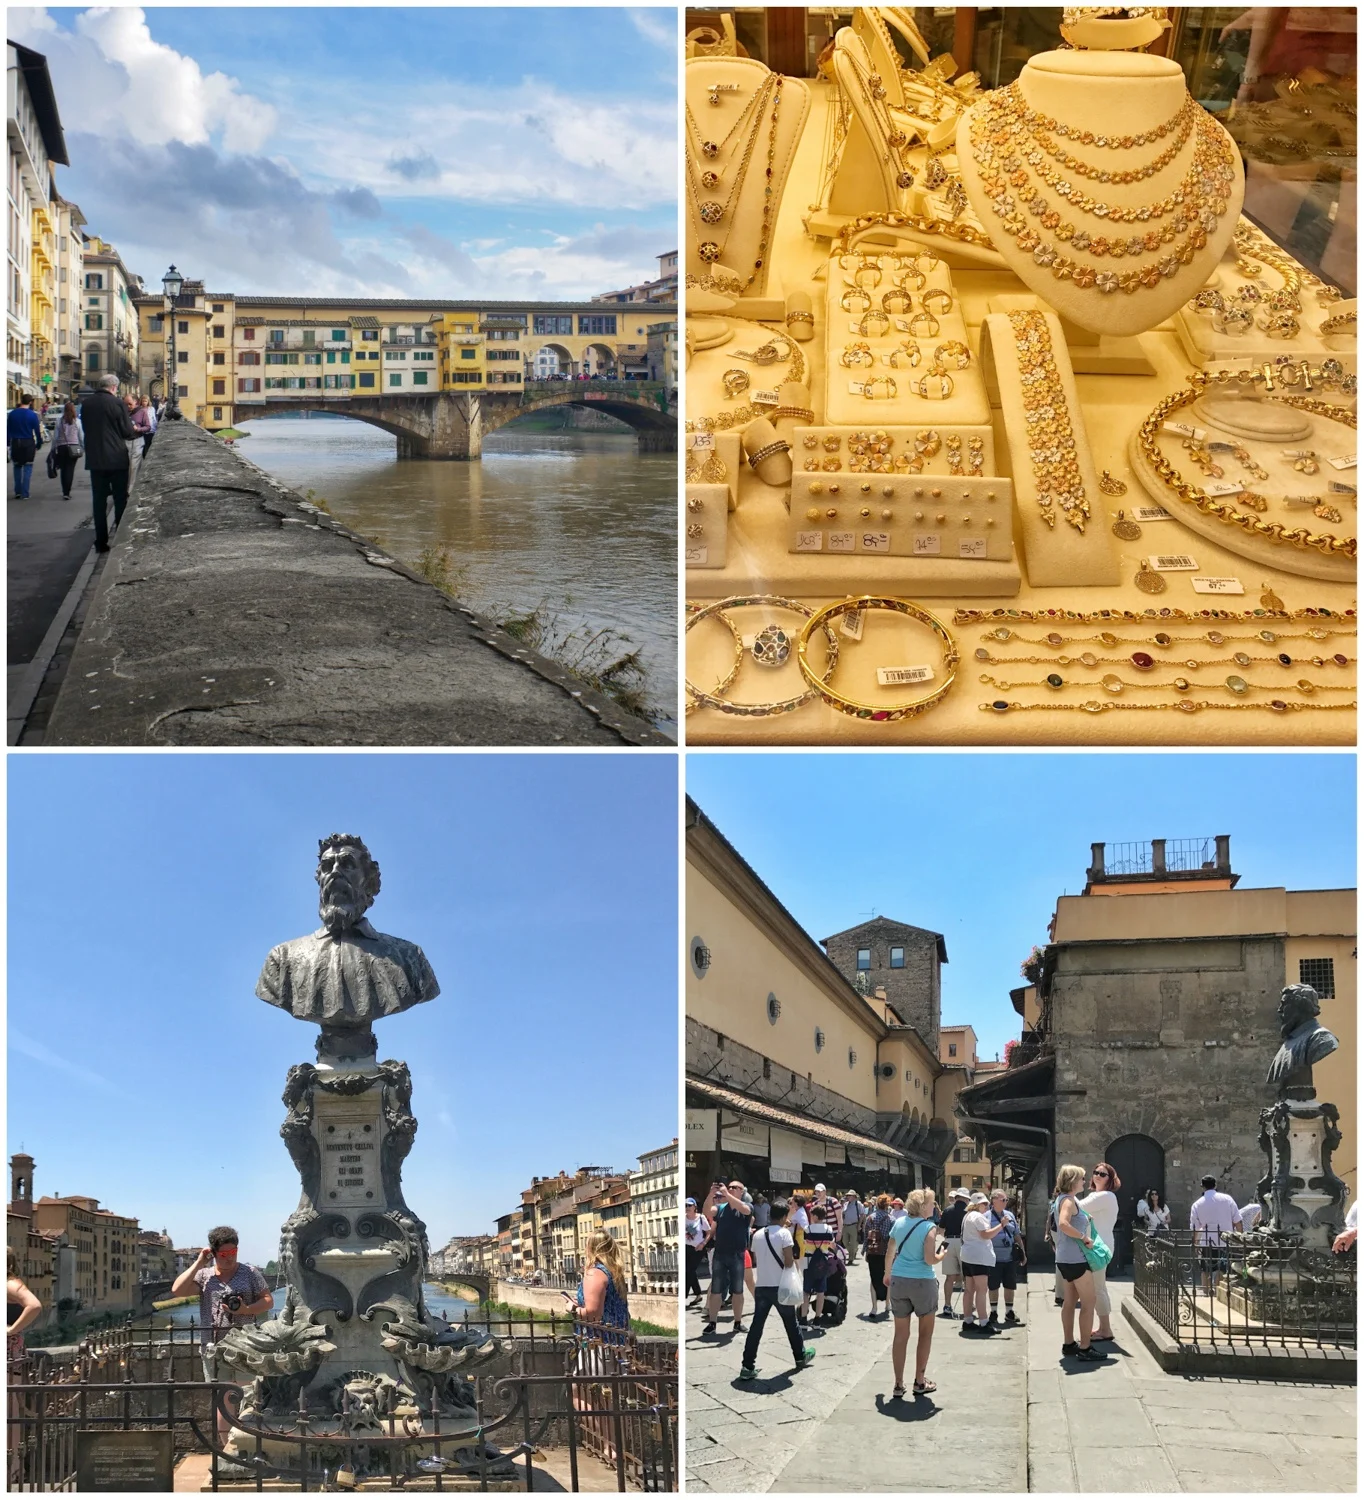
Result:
[[599, 359], [564, 362]]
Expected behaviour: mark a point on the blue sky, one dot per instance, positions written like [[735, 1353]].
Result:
[[146, 890], [978, 847], [437, 152]]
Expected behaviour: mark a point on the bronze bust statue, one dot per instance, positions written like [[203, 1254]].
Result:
[[1305, 1040], [346, 974]]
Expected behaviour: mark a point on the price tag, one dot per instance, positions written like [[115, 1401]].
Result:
[[1337, 488], [809, 541], [1226, 487], [1184, 430], [1150, 513], [902, 324], [842, 541], [853, 328], [857, 388], [696, 557], [927, 544], [1343, 463], [1217, 586], [973, 547], [766, 398], [852, 624], [703, 439], [876, 541], [901, 676], [1174, 562]]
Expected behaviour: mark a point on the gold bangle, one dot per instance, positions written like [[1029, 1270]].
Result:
[[820, 687], [944, 385], [856, 354], [881, 317], [938, 292], [780, 446], [892, 390], [727, 680], [1343, 323], [782, 706], [923, 325]]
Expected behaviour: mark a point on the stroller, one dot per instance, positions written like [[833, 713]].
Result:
[[836, 1289]]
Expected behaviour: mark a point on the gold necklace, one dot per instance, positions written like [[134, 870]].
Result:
[[701, 149], [708, 211], [894, 139], [1149, 616], [1236, 685], [708, 250], [1046, 146], [1182, 705], [1037, 121], [1161, 638]]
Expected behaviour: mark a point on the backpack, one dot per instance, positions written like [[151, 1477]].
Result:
[[876, 1238]]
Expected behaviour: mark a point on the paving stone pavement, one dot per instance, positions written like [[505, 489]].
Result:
[[1120, 1427]]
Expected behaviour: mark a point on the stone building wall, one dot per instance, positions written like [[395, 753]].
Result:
[[915, 991], [1168, 1039]]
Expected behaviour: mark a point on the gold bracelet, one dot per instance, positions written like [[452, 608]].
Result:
[[1147, 616], [1345, 323], [780, 446], [1181, 705], [800, 413], [1161, 638], [819, 686], [1143, 661], [762, 710], [1236, 685]]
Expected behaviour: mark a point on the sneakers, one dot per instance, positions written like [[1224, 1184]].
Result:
[[1012, 1319], [708, 1328], [947, 1312], [1070, 1350], [1060, 1302], [748, 1373], [738, 1327], [992, 1321], [806, 1359], [1090, 1355]]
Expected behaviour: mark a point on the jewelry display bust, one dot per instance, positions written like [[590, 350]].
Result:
[[1099, 98]]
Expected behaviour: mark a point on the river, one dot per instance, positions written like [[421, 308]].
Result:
[[582, 523]]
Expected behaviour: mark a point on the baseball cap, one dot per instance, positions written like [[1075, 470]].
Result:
[[820, 1188], [691, 1203]]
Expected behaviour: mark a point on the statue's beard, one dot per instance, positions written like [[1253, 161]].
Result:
[[341, 906]]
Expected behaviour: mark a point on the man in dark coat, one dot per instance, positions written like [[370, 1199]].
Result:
[[108, 429]]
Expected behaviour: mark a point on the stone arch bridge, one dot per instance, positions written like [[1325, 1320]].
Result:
[[473, 1281], [453, 424]]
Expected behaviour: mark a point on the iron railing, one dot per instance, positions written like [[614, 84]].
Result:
[[1250, 1291], [605, 1393]]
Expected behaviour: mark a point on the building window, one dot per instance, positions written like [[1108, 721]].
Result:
[[468, 353], [182, 327], [370, 335], [864, 958], [419, 377], [249, 384], [819, 1039], [597, 323], [338, 333], [94, 320], [897, 958], [182, 390], [773, 1009], [248, 333], [312, 359], [219, 358], [156, 323], [249, 357], [219, 331], [219, 307], [956, 1182], [548, 323], [396, 378], [181, 357], [218, 411], [951, 1049], [94, 282], [220, 388], [1320, 973], [276, 335], [366, 379], [852, 1058]]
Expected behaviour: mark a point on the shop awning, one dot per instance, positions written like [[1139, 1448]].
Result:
[[789, 1120], [1012, 1113]]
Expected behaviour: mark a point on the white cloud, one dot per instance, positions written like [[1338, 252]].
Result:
[[658, 26], [115, 80]]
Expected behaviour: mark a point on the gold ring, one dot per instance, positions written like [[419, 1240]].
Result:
[[881, 317], [944, 296], [944, 385], [923, 325], [892, 390]]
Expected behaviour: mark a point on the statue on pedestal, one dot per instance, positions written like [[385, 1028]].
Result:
[[353, 1342], [1305, 1200]]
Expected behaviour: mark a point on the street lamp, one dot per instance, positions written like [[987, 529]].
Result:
[[171, 283]]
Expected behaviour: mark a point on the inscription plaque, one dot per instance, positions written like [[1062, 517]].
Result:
[[350, 1162], [116, 1462]]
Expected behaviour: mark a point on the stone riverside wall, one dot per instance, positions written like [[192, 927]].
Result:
[[232, 612], [660, 1311]]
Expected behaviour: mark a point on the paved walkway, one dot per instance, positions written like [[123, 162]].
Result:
[[1007, 1407]]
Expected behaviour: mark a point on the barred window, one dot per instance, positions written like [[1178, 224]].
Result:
[[1320, 973]]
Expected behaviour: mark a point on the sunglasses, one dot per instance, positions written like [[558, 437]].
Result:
[[1100, 1174]]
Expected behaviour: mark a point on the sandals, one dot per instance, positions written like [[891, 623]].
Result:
[[923, 1387], [897, 1393]]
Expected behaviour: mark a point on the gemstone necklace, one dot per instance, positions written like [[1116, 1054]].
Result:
[[708, 210], [710, 150], [708, 250]]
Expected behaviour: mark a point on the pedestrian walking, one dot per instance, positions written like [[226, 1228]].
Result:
[[977, 1261], [853, 1214], [68, 443], [22, 1311], [799, 1222], [951, 1228], [762, 1210], [1152, 1215], [897, 1210], [1210, 1218], [833, 1210], [819, 1260], [774, 1254], [731, 1219], [914, 1288], [1101, 1204], [24, 434], [144, 423], [1004, 1272], [697, 1233], [876, 1242], [108, 430], [1072, 1235]]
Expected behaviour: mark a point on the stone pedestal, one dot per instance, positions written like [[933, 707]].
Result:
[[1304, 1199]]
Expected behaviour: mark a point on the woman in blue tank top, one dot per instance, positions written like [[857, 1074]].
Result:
[[914, 1253]]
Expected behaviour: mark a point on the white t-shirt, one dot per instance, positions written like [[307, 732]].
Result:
[[977, 1246], [1352, 1218], [768, 1261], [1212, 1216], [697, 1230], [800, 1219], [1103, 1209], [1153, 1218]]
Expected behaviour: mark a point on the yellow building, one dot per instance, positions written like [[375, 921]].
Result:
[[110, 298], [106, 1255], [43, 291], [793, 1075]]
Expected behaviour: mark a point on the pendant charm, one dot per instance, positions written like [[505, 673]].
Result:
[[709, 148], [1148, 580], [1127, 531], [709, 251], [711, 212], [710, 179], [1111, 486], [771, 646], [936, 174], [1270, 600]]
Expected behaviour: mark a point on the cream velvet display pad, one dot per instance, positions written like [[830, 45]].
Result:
[[734, 81], [1117, 95]]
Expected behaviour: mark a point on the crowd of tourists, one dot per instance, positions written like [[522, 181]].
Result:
[[792, 1256]]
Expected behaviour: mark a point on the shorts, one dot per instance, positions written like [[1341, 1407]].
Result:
[[971, 1268], [1214, 1258], [816, 1280], [1070, 1270], [951, 1262], [727, 1274], [913, 1294], [1003, 1274]]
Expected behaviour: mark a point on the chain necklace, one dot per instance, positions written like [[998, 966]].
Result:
[[1182, 705], [707, 211], [894, 139], [1051, 440], [988, 147], [1008, 118], [709, 150], [709, 250], [1037, 121]]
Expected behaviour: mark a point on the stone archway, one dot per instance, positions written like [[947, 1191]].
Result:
[[558, 364], [1139, 1162], [600, 360]]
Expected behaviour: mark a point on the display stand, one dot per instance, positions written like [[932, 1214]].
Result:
[[706, 525], [1120, 93], [1058, 554], [742, 243], [1204, 345]]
